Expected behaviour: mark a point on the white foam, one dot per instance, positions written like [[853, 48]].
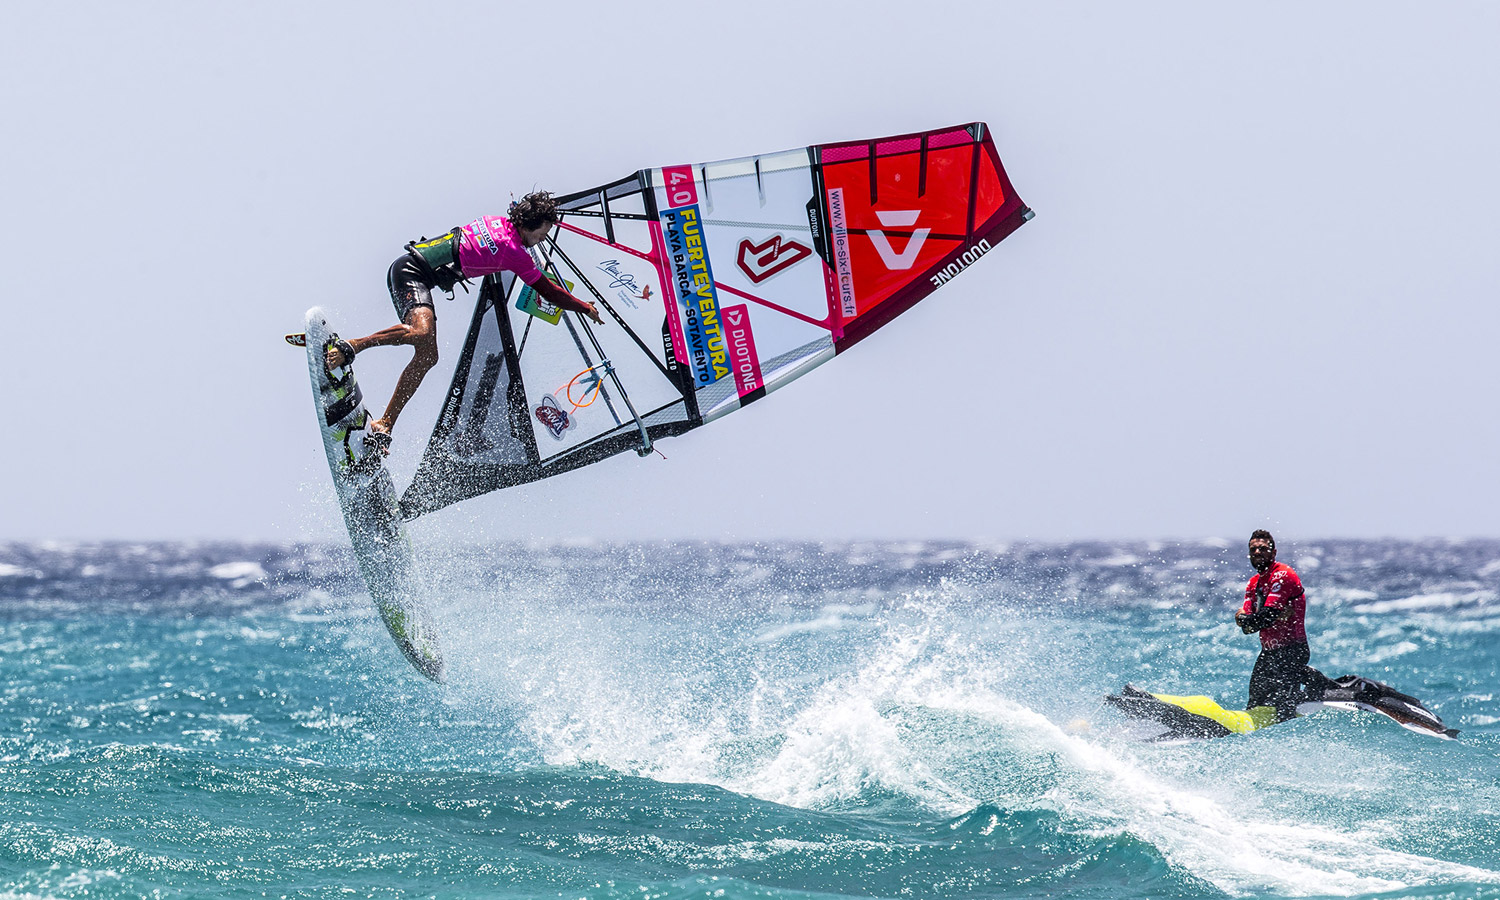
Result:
[[850, 739], [1219, 836], [243, 573], [860, 733], [924, 713], [1390, 651]]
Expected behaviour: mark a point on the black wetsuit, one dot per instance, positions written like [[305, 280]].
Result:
[[1278, 677], [1275, 607]]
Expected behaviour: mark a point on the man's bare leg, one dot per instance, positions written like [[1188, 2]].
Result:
[[405, 333], [420, 331]]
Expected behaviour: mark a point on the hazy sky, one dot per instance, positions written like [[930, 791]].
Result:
[[1260, 287]]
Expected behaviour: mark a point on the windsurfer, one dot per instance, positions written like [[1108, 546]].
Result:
[[485, 246], [1276, 606]]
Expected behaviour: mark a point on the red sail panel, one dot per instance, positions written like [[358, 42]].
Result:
[[907, 213], [992, 191]]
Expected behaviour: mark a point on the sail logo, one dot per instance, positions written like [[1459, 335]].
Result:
[[898, 218], [968, 258], [553, 417], [693, 278], [627, 289], [744, 361], [838, 230], [765, 260]]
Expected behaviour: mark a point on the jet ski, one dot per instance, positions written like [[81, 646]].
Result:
[[1196, 717]]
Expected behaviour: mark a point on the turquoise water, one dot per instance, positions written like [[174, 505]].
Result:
[[772, 720]]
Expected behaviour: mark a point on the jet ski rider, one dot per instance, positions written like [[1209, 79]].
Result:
[[1275, 607]]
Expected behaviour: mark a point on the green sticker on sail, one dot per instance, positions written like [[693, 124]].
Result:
[[534, 304]]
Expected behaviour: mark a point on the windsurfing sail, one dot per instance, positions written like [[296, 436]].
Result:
[[719, 283]]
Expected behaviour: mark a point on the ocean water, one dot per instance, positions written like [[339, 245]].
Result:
[[748, 720]]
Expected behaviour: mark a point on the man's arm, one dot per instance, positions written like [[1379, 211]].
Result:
[[1278, 605], [1242, 615], [1267, 616], [561, 298]]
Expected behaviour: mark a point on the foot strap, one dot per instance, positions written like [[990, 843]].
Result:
[[378, 441]]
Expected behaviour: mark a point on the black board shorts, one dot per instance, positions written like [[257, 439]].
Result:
[[409, 287]]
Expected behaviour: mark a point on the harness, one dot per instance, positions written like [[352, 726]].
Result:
[[437, 258]]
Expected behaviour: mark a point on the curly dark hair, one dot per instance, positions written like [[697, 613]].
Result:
[[533, 210], [1260, 534]]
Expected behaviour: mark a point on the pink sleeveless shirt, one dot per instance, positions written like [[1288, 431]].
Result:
[[490, 244]]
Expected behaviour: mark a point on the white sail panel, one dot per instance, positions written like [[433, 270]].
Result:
[[582, 380]]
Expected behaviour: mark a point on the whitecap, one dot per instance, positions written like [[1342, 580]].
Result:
[[244, 571], [1427, 602], [1391, 652], [1193, 564]]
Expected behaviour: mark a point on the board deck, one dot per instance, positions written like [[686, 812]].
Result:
[[368, 499]]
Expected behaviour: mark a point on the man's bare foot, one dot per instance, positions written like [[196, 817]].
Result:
[[339, 353], [379, 435]]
